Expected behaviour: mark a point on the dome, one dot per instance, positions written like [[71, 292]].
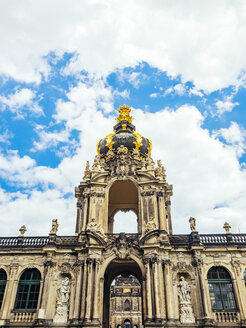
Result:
[[124, 135]]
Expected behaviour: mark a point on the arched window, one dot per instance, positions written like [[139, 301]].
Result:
[[127, 305], [3, 281], [221, 289], [28, 290]]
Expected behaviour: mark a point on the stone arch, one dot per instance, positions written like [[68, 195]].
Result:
[[122, 195], [115, 268]]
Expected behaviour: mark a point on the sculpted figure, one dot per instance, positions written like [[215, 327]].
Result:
[[96, 227], [62, 301], [185, 306], [160, 171], [192, 224], [150, 226], [54, 227], [95, 164], [184, 290]]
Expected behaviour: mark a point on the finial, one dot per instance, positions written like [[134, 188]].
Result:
[[227, 227], [54, 227], [22, 230], [87, 172], [124, 112]]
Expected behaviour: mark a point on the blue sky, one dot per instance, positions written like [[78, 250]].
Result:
[[63, 74]]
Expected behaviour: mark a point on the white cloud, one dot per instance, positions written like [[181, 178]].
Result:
[[5, 136], [21, 100], [106, 35], [195, 92], [49, 139], [235, 136], [225, 106], [154, 95], [208, 180], [178, 89]]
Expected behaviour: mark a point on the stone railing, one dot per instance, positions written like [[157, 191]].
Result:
[[234, 239], [23, 316], [8, 241], [226, 316], [35, 241]]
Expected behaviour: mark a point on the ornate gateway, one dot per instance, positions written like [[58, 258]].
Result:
[[179, 280]]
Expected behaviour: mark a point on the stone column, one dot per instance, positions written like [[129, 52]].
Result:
[[89, 290], [84, 213], [96, 289], [161, 291], [156, 289], [148, 289], [202, 289], [169, 290], [83, 296], [10, 292], [168, 207], [162, 211], [239, 289], [77, 296]]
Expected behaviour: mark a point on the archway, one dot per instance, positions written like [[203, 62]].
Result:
[[124, 269], [123, 196]]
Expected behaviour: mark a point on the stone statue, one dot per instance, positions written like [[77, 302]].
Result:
[[96, 164], [192, 224], [160, 171], [185, 306], [87, 172], [150, 163], [96, 227], [54, 227], [62, 301], [150, 226]]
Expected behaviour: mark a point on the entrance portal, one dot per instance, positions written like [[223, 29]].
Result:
[[122, 304]]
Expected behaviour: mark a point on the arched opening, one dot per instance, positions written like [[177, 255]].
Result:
[[123, 196], [122, 294], [221, 289], [125, 222], [127, 324]]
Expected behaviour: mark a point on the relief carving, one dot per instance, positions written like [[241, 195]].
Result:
[[150, 226], [95, 227]]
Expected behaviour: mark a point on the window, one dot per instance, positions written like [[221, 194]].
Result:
[[127, 305], [28, 290], [3, 281], [221, 289]]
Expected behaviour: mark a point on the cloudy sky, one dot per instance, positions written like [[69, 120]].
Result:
[[65, 68]]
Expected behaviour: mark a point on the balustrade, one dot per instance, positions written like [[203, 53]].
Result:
[[23, 316], [227, 316]]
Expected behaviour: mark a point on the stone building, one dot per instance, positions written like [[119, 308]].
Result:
[[125, 303], [193, 280]]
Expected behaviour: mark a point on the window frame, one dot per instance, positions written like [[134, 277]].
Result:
[[26, 293], [221, 284]]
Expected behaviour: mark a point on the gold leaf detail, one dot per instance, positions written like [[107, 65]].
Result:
[[150, 147], [124, 112], [138, 141], [109, 141]]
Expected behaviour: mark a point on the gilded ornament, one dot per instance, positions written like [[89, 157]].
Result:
[[138, 141], [109, 141], [124, 112]]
